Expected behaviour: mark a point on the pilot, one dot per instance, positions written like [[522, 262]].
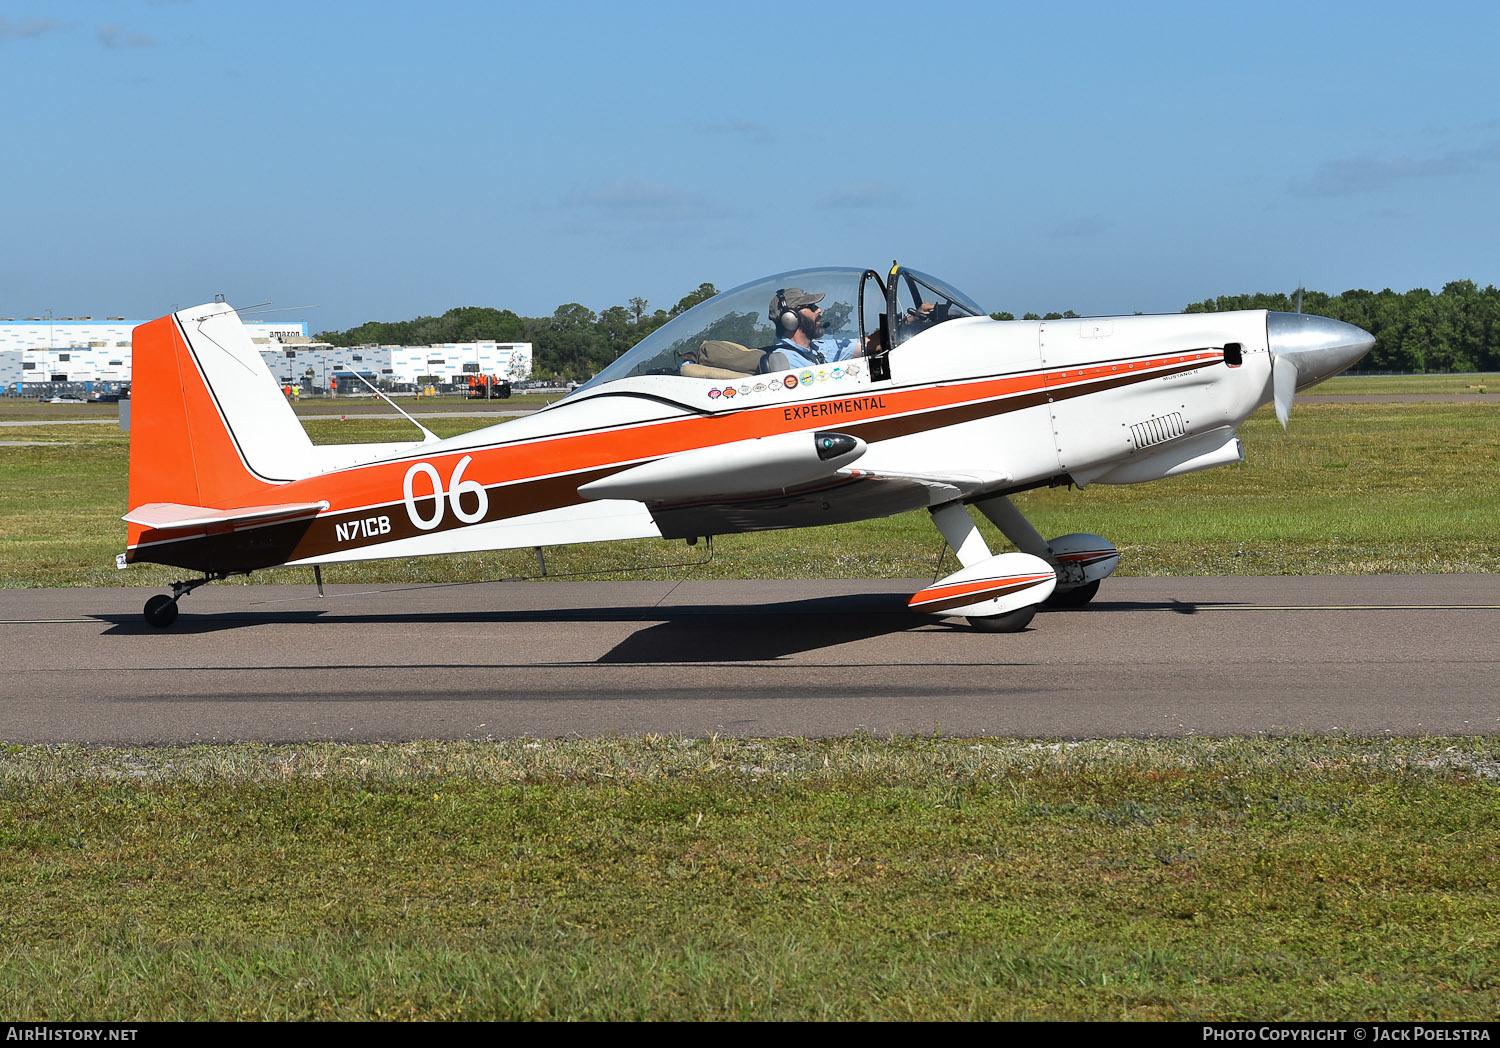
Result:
[[799, 321]]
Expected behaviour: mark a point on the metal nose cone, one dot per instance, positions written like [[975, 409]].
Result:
[[1316, 347]]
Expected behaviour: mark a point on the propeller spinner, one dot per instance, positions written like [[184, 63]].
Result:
[[1305, 350]]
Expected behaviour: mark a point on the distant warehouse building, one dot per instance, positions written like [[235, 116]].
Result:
[[316, 363], [85, 355]]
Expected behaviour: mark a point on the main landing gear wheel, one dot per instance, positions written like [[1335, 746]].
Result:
[[1010, 622], [1076, 597], [161, 611]]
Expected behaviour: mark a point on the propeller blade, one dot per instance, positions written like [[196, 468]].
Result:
[[1284, 378]]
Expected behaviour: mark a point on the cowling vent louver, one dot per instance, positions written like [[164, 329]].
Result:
[[1156, 430]]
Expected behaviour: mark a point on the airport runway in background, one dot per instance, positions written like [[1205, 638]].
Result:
[[1408, 655]]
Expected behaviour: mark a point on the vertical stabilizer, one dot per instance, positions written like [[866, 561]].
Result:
[[209, 424]]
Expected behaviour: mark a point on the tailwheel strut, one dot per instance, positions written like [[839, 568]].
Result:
[[161, 610]]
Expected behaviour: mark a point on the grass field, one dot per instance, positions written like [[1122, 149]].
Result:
[[665, 878], [1350, 488], [1409, 384], [29, 409]]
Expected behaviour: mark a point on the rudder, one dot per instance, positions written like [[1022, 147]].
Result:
[[209, 425]]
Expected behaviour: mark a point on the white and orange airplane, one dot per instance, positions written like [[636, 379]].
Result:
[[814, 397]]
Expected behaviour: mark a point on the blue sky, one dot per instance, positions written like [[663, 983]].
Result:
[[386, 160]]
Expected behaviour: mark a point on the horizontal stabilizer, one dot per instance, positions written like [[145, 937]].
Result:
[[160, 515]]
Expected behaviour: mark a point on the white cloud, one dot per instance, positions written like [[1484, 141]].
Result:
[[1081, 226], [859, 195], [759, 134], [27, 28], [117, 37], [641, 200], [1368, 173]]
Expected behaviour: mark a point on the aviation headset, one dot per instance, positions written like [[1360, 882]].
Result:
[[787, 319]]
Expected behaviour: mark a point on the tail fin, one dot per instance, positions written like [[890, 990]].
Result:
[[209, 425]]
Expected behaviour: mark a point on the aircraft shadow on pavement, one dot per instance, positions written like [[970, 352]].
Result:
[[841, 617], [779, 630], [769, 632], [670, 634], [775, 631]]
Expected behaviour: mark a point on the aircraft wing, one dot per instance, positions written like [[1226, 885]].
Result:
[[792, 480], [848, 495]]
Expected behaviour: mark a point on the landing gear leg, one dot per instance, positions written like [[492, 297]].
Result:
[[161, 610], [1014, 525], [964, 538]]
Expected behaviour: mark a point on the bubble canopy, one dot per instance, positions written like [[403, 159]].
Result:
[[741, 316]]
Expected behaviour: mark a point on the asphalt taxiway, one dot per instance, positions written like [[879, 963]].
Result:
[[1407, 655]]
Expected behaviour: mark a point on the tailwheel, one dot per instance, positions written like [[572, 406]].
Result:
[[161, 611], [1010, 622], [1076, 597]]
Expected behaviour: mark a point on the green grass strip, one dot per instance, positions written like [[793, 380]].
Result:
[[671, 878]]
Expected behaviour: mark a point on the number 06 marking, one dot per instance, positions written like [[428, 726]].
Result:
[[457, 487], [420, 521]]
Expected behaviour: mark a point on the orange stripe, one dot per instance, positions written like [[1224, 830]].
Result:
[[224, 480], [379, 483]]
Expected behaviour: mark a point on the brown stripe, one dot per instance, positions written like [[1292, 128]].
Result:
[[256, 548], [880, 429]]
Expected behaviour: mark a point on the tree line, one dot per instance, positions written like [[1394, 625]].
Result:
[[1456, 329], [573, 343]]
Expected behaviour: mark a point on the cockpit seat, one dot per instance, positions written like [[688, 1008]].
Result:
[[691, 370], [715, 358]]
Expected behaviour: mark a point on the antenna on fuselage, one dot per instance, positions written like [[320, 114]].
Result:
[[255, 310], [428, 436]]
